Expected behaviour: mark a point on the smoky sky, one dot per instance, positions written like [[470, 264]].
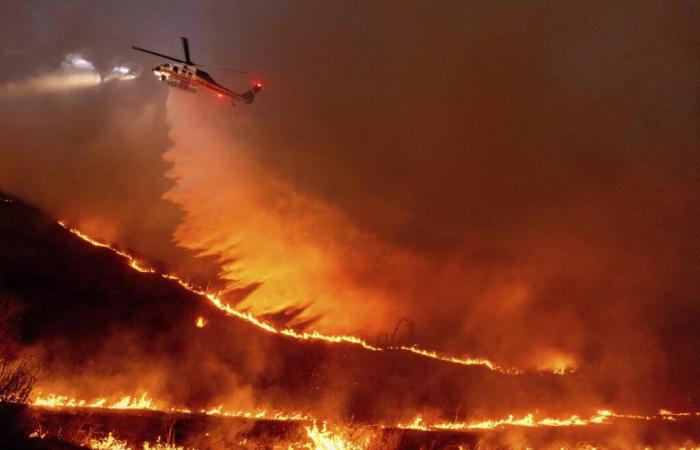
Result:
[[538, 160]]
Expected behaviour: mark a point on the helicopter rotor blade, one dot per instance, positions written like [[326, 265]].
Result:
[[160, 54], [186, 48], [228, 69]]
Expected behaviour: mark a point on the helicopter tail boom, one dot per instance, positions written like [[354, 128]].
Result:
[[249, 95]]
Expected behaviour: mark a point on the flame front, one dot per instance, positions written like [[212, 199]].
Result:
[[144, 402], [126, 402], [300, 335], [530, 420]]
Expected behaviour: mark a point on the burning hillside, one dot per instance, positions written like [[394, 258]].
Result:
[[96, 317], [110, 333]]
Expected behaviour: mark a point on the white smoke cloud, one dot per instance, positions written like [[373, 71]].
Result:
[[76, 61], [76, 72], [120, 73]]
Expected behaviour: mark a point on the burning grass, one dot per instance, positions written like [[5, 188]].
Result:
[[136, 431], [215, 300], [110, 442], [152, 326], [257, 429]]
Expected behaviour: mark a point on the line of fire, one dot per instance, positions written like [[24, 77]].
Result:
[[142, 414]]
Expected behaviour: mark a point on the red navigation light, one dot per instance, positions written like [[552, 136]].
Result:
[[258, 85]]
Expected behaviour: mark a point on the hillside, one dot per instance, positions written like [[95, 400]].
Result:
[[101, 329]]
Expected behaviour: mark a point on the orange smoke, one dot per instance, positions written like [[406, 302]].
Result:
[[286, 247]]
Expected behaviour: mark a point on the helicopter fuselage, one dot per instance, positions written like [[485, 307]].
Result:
[[189, 78]]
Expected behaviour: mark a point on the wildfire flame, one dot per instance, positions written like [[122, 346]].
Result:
[[126, 402], [110, 442], [321, 438], [324, 439], [530, 420], [463, 361], [300, 335], [144, 402], [601, 417], [328, 436]]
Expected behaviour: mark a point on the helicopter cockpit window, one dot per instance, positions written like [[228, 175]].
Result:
[[175, 69]]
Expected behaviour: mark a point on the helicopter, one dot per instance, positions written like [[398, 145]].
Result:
[[188, 76]]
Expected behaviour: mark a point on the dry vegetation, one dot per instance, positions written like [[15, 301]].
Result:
[[16, 377], [16, 382]]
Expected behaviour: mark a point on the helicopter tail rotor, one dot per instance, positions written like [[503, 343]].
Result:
[[249, 96]]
